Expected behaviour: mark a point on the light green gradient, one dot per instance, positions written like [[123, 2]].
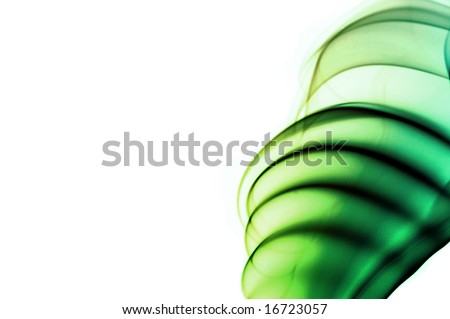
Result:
[[381, 83]]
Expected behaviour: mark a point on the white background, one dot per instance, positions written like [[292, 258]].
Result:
[[79, 240]]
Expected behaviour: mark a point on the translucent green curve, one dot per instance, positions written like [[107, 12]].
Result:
[[381, 86]]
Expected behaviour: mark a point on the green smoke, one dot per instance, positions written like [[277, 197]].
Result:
[[360, 229]]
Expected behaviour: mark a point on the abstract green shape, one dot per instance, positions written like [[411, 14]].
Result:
[[381, 86]]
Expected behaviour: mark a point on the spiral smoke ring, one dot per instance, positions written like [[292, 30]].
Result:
[[380, 83]]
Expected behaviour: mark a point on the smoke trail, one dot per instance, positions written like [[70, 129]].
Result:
[[381, 83]]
